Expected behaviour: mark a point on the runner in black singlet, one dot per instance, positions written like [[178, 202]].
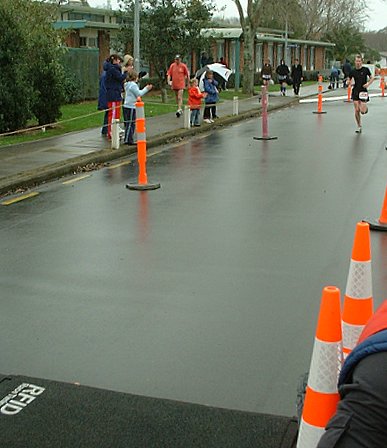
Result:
[[360, 78]]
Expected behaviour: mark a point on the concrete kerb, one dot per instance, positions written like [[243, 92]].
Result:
[[28, 179]]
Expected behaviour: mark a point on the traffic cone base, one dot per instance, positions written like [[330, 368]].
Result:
[[381, 223], [143, 187], [376, 225]]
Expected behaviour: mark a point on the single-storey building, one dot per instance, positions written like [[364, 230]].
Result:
[[89, 28], [269, 44]]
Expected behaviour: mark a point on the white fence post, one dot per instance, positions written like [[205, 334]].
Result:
[[235, 106], [187, 117], [115, 134]]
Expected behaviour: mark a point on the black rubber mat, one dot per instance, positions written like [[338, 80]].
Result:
[[41, 413]]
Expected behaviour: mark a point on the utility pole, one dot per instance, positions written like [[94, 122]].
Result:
[[136, 43], [286, 40]]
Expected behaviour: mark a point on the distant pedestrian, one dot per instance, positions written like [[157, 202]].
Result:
[[114, 86], [211, 88], [360, 78], [178, 78], [128, 62], [297, 76], [194, 101], [334, 78], [103, 103], [347, 68], [132, 92], [223, 83], [203, 59], [266, 73], [283, 74]]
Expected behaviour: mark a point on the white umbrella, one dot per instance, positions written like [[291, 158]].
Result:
[[220, 69]]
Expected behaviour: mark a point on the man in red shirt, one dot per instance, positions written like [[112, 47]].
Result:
[[178, 77]]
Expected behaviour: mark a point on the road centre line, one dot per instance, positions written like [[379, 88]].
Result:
[[20, 198], [77, 179], [117, 165]]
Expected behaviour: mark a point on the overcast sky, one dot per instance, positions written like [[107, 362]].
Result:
[[377, 11]]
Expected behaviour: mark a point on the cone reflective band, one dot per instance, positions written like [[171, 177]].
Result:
[[358, 302], [321, 396]]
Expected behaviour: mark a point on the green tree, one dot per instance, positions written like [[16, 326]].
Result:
[[46, 72], [15, 90], [167, 28], [348, 42], [30, 54], [249, 23]]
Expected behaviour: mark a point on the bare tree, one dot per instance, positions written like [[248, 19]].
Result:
[[321, 16], [249, 23]]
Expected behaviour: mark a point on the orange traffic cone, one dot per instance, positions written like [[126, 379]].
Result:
[[321, 392], [358, 303], [320, 97], [381, 223], [349, 94], [142, 183]]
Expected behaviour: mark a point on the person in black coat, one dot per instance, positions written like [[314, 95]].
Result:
[[283, 74], [296, 75], [347, 69], [115, 76], [361, 415], [103, 103]]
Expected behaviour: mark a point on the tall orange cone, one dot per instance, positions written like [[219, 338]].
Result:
[[381, 223], [320, 97], [321, 392], [349, 94], [142, 183], [358, 302]]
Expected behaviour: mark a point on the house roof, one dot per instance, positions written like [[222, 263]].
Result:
[[267, 36], [80, 24]]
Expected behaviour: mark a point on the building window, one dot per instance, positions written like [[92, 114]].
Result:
[[258, 57], [231, 61], [312, 62], [219, 49], [84, 16], [280, 53], [92, 42], [83, 41], [305, 58], [270, 54]]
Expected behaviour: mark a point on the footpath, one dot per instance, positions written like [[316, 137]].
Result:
[[28, 164]]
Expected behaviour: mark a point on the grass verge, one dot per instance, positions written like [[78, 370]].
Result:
[[85, 115]]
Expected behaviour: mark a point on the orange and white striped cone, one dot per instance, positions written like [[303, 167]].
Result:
[[143, 183], [358, 302], [321, 396], [320, 97], [381, 223]]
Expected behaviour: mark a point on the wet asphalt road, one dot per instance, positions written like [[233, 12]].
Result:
[[206, 290]]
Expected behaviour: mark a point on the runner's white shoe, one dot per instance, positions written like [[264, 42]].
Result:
[[358, 130]]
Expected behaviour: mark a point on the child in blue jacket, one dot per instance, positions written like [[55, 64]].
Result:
[[210, 87], [132, 92]]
